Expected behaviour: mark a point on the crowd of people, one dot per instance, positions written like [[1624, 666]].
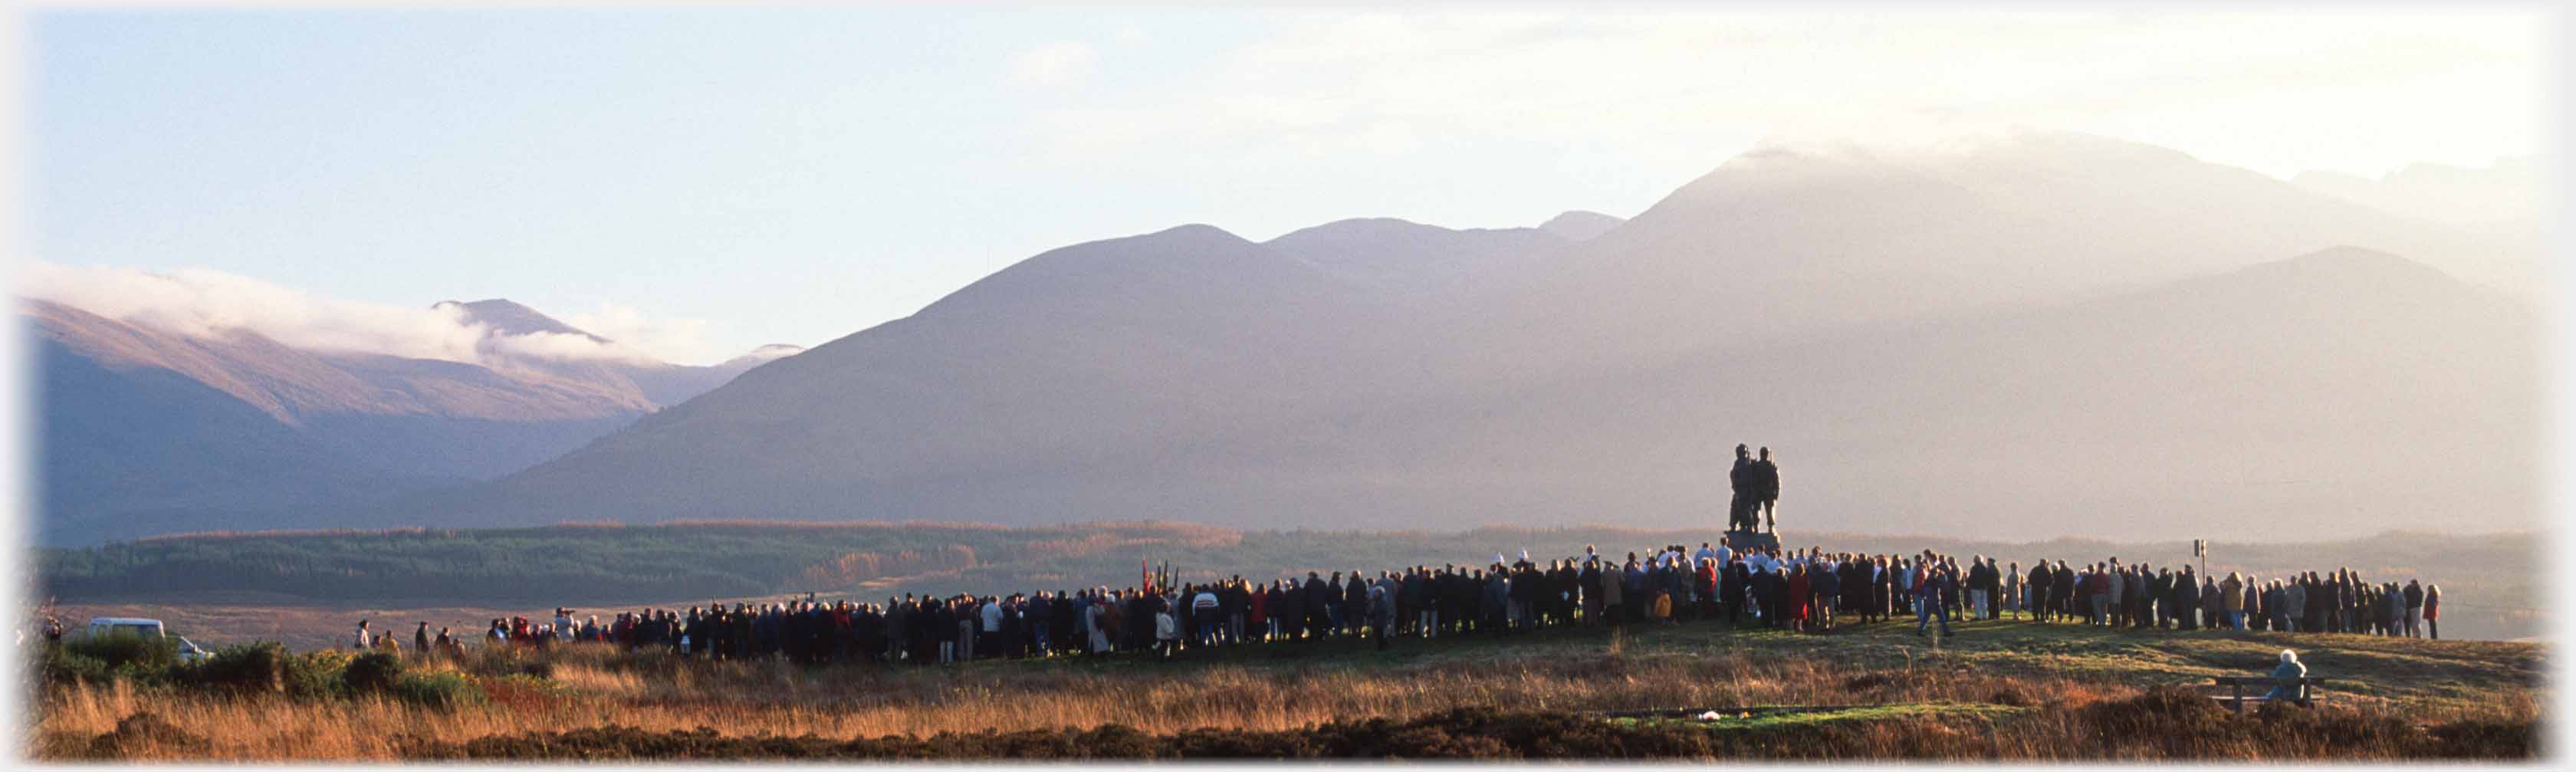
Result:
[[1807, 590]]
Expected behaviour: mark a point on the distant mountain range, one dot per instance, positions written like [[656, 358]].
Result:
[[149, 431], [2043, 335], [2506, 192]]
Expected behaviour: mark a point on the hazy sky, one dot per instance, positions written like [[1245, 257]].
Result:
[[701, 182]]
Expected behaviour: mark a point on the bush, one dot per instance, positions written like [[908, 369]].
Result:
[[437, 690], [63, 666], [142, 674], [373, 671], [315, 674], [120, 650], [255, 667]]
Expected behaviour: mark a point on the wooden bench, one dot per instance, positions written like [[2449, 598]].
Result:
[[2236, 699]]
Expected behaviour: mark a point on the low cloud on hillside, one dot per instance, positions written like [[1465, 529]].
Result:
[[207, 303]]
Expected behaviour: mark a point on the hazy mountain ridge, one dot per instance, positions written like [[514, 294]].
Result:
[[1788, 237], [2234, 400], [147, 431], [1580, 224], [2508, 191], [1991, 335], [1610, 375]]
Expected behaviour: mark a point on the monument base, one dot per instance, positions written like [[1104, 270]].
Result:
[[1753, 540]]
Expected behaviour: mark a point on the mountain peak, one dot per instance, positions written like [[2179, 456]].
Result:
[[501, 316], [1192, 232], [2351, 261], [1580, 224], [764, 354], [1353, 228]]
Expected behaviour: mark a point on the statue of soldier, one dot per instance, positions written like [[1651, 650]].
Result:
[[1739, 511], [1766, 484]]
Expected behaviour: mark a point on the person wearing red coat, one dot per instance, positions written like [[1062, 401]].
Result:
[[1796, 605]]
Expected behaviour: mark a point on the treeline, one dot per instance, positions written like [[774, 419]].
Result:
[[592, 564]]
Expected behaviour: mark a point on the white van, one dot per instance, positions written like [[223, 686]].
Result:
[[147, 629]]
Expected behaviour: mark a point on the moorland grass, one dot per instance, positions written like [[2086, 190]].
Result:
[[1999, 689]]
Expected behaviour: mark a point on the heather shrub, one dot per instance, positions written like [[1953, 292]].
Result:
[[63, 666], [254, 667], [314, 675], [373, 671]]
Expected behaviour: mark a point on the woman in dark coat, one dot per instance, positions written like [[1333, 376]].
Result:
[[1354, 604]]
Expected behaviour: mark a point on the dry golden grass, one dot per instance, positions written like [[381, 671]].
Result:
[[1664, 669], [776, 700]]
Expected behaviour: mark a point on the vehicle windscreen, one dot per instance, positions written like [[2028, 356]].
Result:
[[139, 631]]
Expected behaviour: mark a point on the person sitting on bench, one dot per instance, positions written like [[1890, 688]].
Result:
[[2288, 674]]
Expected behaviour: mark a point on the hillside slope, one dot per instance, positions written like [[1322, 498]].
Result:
[[148, 431], [2314, 392]]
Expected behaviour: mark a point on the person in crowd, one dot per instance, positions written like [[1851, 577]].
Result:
[[2276, 606], [2014, 600], [2295, 601], [2433, 611], [1928, 601], [1206, 613], [1613, 596], [1167, 631], [1095, 610], [1977, 597], [2115, 584], [2231, 600], [2347, 601], [2213, 612], [2063, 586], [2041, 582], [364, 640], [2414, 609], [2393, 610], [1794, 598], [1381, 606], [1828, 586], [939, 628], [2186, 598], [2252, 602]]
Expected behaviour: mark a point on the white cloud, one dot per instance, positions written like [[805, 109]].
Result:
[[1691, 88], [674, 339], [207, 303], [1058, 64]]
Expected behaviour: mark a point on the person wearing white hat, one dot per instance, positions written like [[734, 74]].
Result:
[[2287, 673]]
